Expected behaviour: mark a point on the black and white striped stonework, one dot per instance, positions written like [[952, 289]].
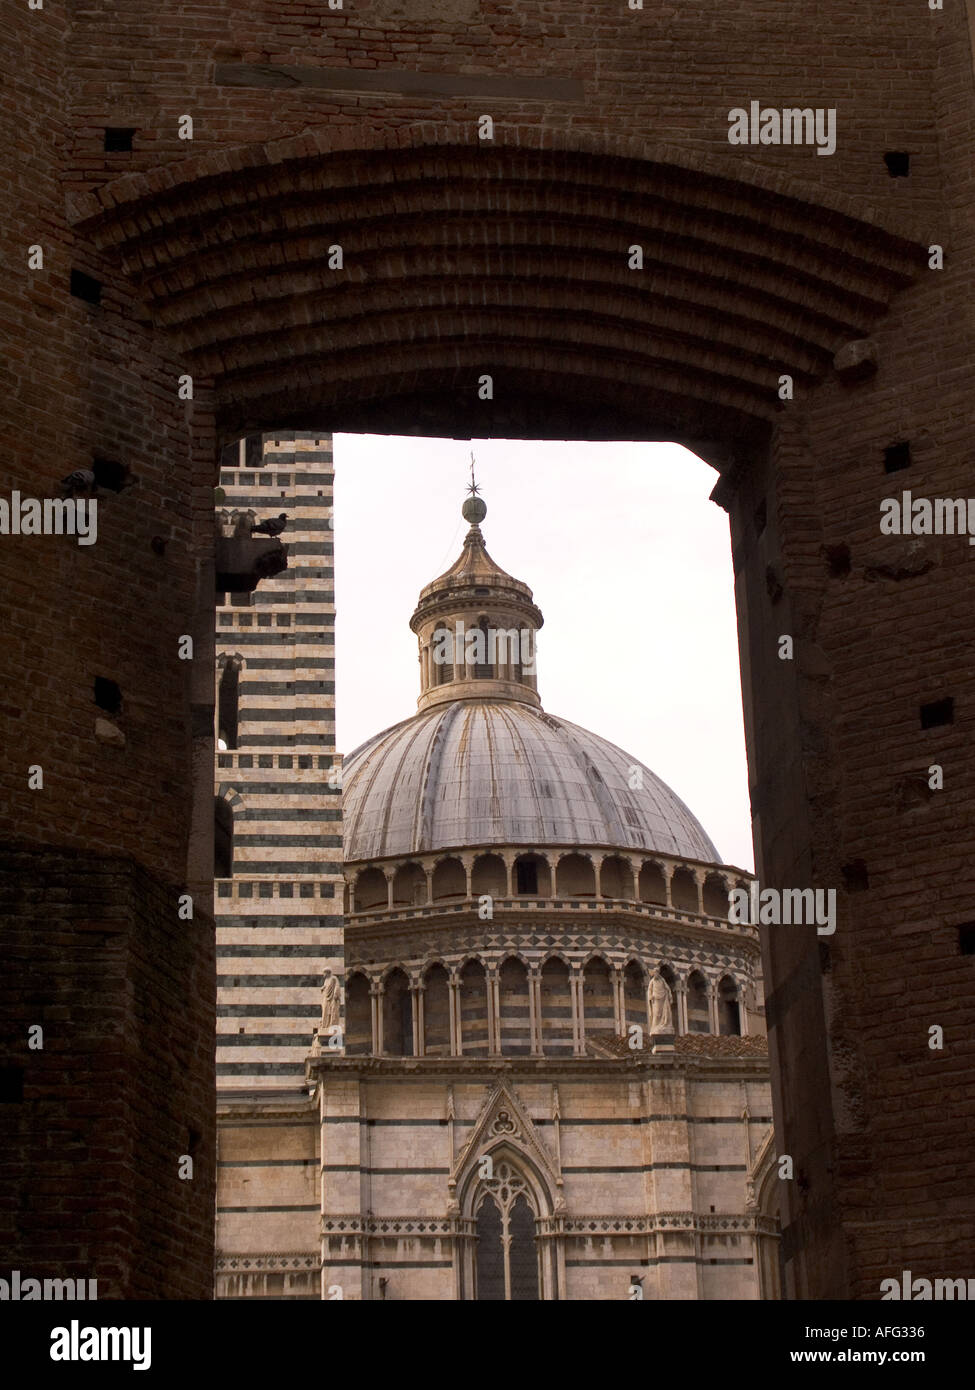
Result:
[[279, 823]]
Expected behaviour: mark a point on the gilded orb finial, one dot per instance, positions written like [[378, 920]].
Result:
[[474, 509]]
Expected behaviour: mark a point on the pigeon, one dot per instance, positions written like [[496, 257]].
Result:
[[273, 527], [81, 480]]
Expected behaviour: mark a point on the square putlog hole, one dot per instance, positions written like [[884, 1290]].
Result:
[[937, 712], [856, 879], [898, 163], [118, 139], [897, 457], [108, 695], [11, 1085], [86, 287]]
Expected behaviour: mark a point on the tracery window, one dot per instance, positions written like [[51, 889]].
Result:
[[507, 1257]]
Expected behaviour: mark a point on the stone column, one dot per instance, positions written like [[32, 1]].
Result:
[[619, 1001], [376, 1004], [668, 872], [699, 885], [417, 992], [493, 1011], [578, 1012], [509, 865], [428, 875], [634, 864], [742, 1009], [453, 998], [389, 890], [713, 1004], [681, 991], [597, 861], [462, 672], [535, 1010], [468, 862]]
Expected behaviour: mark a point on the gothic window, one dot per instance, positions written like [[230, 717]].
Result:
[[698, 1017], [597, 997], [473, 1010], [522, 1255], [556, 1007], [506, 1263], [515, 1020], [397, 1016], [490, 1253], [729, 1015], [436, 1012], [635, 996], [358, 1017]]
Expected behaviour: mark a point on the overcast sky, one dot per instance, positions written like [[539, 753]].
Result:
[[629, 562]]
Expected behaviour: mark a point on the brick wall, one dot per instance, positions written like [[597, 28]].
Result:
[[460, 258], [122, 1088]]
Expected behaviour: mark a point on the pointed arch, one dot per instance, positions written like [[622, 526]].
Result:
[[598, 987], [514, 1022], [555, 992], [397, 1006], [764, 1192], [506, 1194], [634, 995], [358, 1015]]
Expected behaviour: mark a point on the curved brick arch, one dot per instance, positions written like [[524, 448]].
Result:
[[511, 262], [117, 194]]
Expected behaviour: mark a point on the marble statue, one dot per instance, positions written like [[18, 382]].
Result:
[[661, 1011]]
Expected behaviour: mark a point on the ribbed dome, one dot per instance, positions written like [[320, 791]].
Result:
[[476, 772]]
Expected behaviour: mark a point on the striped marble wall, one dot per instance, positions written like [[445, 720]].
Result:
[[279, 911]]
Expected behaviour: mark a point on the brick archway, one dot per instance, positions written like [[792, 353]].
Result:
[[511, 261]]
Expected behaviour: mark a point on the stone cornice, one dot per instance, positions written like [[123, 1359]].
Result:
[[556, 847], [269, 1263], [541, 1069], [301, 1106], [578, 1227], [543, 915]]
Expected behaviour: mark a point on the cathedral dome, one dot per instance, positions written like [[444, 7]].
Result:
[[482, 763], [499, 771]]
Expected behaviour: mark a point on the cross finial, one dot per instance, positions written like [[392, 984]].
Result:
[[473, 488]]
